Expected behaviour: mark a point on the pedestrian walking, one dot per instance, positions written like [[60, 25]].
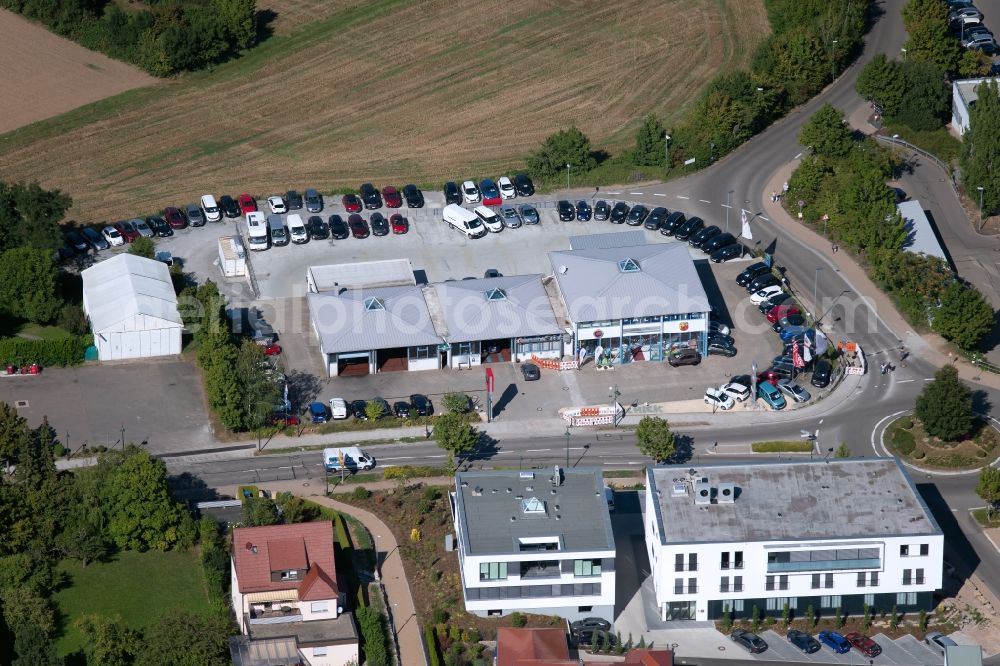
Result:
[[836, 248], [784, 188], [882, 368], [774, 196]]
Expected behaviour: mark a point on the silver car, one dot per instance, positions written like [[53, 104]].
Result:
[[194, 215], [793, 390], [140, 225], [529, 214], [510, 217], [314, 202]]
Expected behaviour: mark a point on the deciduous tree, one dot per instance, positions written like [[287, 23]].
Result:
[[882, 81], [570, 146], [988, 487], [827, 133], [981, 152], [453, 434], [143, 247], [655, 439], [930, 40], [927, 102], [259, 511], [182, 638], [107, 641], [965, 316], [945, 405], [649, 142]]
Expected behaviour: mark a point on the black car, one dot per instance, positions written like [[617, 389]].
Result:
[[228, 206], [422, 405], [530, 372], [414, 197], [802, 641], [338, 228], [821, 374], [370, 196], [790, 320], [601, 210], [731, 251], [523, 185], [619, 212], [293, 200], [492, 273], [689, 228], [703, 236], [685, 356], [719, 349], [401, 409], [718, 242], [777, 299], [452, 195], [720, 339], [583, 211], [762, 281], [357, 409], [317, 228], [380, 225], [589, 624], [751, 641], [656, 218], [159, 226], [750, 272], [637, 216], [566, 211], [76, 240], [673, 222]]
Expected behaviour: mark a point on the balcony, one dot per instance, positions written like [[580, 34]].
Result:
[[686, 589], [725, 566], [686, 567], [822, 565], [730, 588], [913, 580], [273, 615], [536, 570]]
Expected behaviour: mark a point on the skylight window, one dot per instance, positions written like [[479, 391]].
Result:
[[628, 266], [496, 294], [533, 506], [374, 304]]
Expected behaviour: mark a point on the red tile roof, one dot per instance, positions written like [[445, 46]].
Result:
[[646, 657], [532, 647], [305, 544], [318, 585]]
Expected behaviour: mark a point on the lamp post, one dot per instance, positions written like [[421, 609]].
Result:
[[825, 313], [567, 176], [815, 283], [666, 151], [727, 209], [567, 447], [613, 394], [981, 216], [904, 54], [833, 60]]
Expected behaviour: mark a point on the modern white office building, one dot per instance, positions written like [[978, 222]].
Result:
[[536, 541], [827, 533], [964, 93]]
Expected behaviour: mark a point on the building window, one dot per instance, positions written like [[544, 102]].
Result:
[[925, 548], [919, 577], [289, 575], [738, 605], [874, 580], [678, 586], [693, 562], [904, 550], [587, 568], [815, 581], [832, 601], [739, 559], [724, 584], [771, 604], [869, 600], [725, 560], [679, 562], [584, 609], [692, 585], [862, 576], [319, 651], [493, 571], [828, 582], [737, 583], [782, 582], [906, 598], [465, 348], [907, 576], [769, 583], [320, 607], [422, 352]]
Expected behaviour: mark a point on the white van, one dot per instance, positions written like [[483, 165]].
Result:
[[297, 229], [257, 235], [464, 220], [352, 457], [489, 218], [212, 212]]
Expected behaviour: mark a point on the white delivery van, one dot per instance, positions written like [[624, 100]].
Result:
[[464, 220], [297, 229], [257, 235], [353, 458], [212, 212], [492, 221]]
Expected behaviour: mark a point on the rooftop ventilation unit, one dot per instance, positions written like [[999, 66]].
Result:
[[726, 493], [557, 477], [678, 489], [527, 475], [702, 492]]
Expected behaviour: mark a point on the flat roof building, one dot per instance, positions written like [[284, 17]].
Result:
[[964, 93], [830, 534], [360, 275], [921, 237]]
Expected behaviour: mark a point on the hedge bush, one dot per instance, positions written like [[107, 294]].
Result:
[[432, 646], [409, 472], [905, 423], [373, 634], [903, 442], [47, 353]]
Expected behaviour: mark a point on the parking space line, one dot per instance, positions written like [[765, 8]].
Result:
[[609, 192], [636, 193], [703, 201], [659, 194], [766, 219], [536, 450], [725, 205], [681, 196]]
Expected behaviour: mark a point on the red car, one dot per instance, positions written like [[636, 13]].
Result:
[[352, 204], [392, 197], [358, 225], [780, 312], [273, 349], [767, 376], [400, 225], [866, 645], [284, 420], [127, 230], [175, 218], [247, 204]]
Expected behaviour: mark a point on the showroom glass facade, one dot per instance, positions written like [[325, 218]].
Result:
[[644, 338]]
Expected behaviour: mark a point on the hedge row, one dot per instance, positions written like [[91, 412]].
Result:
[[432, 646], [373, 635], [47, 353]]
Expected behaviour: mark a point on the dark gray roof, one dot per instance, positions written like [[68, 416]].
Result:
[[349, 321], [614, 239], [576, 511], [595, 288], [822, 499], [315, 632], [519, 309]]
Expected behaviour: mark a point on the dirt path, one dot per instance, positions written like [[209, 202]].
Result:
[[45, 75]]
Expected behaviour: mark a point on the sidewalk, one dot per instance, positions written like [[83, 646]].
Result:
[[393, 576]]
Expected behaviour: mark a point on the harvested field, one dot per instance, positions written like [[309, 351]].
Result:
[[390, 91], [45, 75]]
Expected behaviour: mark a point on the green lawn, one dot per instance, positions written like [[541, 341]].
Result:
[[41, 332], [781, 447], [137, 587]]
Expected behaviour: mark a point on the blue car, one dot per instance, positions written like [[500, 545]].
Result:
[[318, 412], [583, 211], [834, 641], [770, 394], [790, 332]]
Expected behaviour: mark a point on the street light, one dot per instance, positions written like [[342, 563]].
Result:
[[833, 60], [815, 283], [567, 447], [567, 176], [904, 54], [727, 209], [827, 311], [614, 393], [666, 151], [981, 216]]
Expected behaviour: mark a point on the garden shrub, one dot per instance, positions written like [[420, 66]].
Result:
[[905, 423], [903, 442], [47, 353], [361, 493]]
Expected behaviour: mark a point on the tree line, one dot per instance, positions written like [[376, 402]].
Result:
[[167, 37]]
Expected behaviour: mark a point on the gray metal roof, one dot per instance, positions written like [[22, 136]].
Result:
[[967, 89], [822, 499], [596, 289], [519, 307], [350, 322], [963, 655], [126, 286], [920, 236], [613, 239], [362, 275], [576, 511]]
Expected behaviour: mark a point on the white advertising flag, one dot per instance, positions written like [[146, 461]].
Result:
[[745, 233]]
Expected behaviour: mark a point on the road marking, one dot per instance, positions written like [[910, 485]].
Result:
[[928, 379], [905, 381], [636, 193], [797, 156], [681, 196], [764, 218], [878, 425], [703, 201], [400, 458], [609, 192], [725, 205], [658, 194], [536, 450]]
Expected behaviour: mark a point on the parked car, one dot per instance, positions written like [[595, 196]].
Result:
[[689, 228], [720, 349], [422, 404], [765, 293], [703, 236], [399, 224], [338, 228], [358, 411], [717, 327], [793, 390], [314, 202], [619, 212], [317, 228], [506, 187], [792, 332], [685, 356], [297, 229], [718, 242], [358, 225], [392, 197], [821, 373], [175, 218], [583, 211], [96, 240], [637, 215], [835, 641], [452, 195], [380, 226], [777, 313], [277, 205], [112, 237], [770, 394], [720, 339], [752, 271], [601, 210], [529, 214], [523, 185], [749, 640], [159, 226], [718, 399], [510, 217], [247, 204], [318, 412], [293, 200], [802, 641], [939, 641], [284, 419], [470, 192], [656, 218], [127, 230], [792, 320], [228, 206], [401, 409], [352, 203], [761, 281], [589, 624], [530, 372], [414, 197], [985, 43], [194, 215], [737, 391], [778, 299], [672, 223], [77, 241], [338, 408], [723, 254], [370, 196], [865, 645], [567, 213]]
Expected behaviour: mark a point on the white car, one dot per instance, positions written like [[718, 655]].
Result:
[[718, 327], [737, 392], [277, 205], [112, 236], [492, 221], [143, 228], [338, 407], [793, 390], [717, 398], [296, 229], [764, 294], [507, 190], [470, 192]]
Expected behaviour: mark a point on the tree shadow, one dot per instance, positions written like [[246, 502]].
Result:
[[265, 29], [191, 488], [981, 402], [683, 449], [486, 448], [303, 387], [601, 156]]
